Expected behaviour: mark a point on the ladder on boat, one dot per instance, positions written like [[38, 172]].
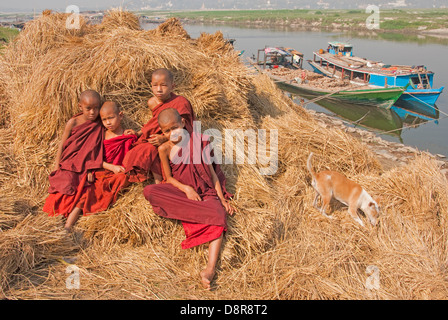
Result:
[[427, 85]]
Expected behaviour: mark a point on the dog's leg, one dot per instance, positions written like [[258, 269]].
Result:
[[326, 199], [315, 200], [353, 211]]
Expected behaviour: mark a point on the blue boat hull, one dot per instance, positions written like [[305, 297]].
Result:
[[418, 97], [410, 98]]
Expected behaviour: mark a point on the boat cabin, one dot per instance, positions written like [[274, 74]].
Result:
[[340, 49], [273, 57]]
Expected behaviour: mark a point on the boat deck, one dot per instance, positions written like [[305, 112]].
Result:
[[369, 66]]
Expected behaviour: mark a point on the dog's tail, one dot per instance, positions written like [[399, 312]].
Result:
[[309, 166]]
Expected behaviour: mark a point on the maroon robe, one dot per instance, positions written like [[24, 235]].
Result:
[[203, 221], [81, 152], [104, 191], [144, 157]]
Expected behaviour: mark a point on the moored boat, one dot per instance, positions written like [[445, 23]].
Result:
[[275, 57], [338, 61]]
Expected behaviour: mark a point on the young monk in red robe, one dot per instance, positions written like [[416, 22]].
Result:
[[193, 193], [143, 160], [80, 151], [112, 179]]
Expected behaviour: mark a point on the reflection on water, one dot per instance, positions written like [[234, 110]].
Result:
[[380, 120]]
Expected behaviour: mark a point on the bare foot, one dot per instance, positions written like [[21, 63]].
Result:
[[206, 278]]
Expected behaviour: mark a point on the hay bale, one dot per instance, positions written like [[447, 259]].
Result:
[[36, 240]]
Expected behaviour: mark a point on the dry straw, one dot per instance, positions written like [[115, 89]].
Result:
[[277, 246]]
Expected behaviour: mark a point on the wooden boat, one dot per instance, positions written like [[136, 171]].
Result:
[[355, 94], [382, 98], [338, 62], [274, 57]]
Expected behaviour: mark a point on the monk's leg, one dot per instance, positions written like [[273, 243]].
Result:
[[72, 218], [213, 253]]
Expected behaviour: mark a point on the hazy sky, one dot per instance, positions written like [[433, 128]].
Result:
[[60, 5], [40, 5]]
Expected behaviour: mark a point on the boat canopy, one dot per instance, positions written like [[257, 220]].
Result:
[[340, 49], [276, 50]]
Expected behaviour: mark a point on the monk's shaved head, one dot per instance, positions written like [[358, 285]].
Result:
[[110, 106], [165, 72], [169, 115], [90, 95]]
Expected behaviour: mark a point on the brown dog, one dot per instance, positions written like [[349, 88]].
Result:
[[331, 184]]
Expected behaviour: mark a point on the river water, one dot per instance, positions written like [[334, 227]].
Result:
[[425, 133]]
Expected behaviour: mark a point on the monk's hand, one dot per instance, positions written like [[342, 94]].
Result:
[[129, 132], [117, 169], [157, 139], [229, 209], [192, 194]]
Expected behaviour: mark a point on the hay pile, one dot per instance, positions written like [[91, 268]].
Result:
[[277, 246], [311, 78]]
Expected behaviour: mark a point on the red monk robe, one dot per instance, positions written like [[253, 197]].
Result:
[[81, 152], [104, 192], [203, 221], [144, 157]]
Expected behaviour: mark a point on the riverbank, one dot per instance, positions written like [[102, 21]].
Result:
[[6, 34], [410, 21]]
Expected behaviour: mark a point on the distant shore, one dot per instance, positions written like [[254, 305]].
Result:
[[438, 33], [430, 22]]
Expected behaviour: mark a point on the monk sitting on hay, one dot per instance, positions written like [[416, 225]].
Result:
[[111, 179], [194, 192], [95, 186], [80, 151], [143, 159]]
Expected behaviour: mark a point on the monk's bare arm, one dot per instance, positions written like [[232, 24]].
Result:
[[112, 167], [66, 134], [230, 210], [216, 183], [164, 152]]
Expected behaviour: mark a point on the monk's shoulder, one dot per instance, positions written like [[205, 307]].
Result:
[[73, 122], [165, 148], [152, 103]]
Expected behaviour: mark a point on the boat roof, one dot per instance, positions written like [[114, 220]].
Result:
[[293, 51], [282, 51], [369, 66], [340, 44]]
